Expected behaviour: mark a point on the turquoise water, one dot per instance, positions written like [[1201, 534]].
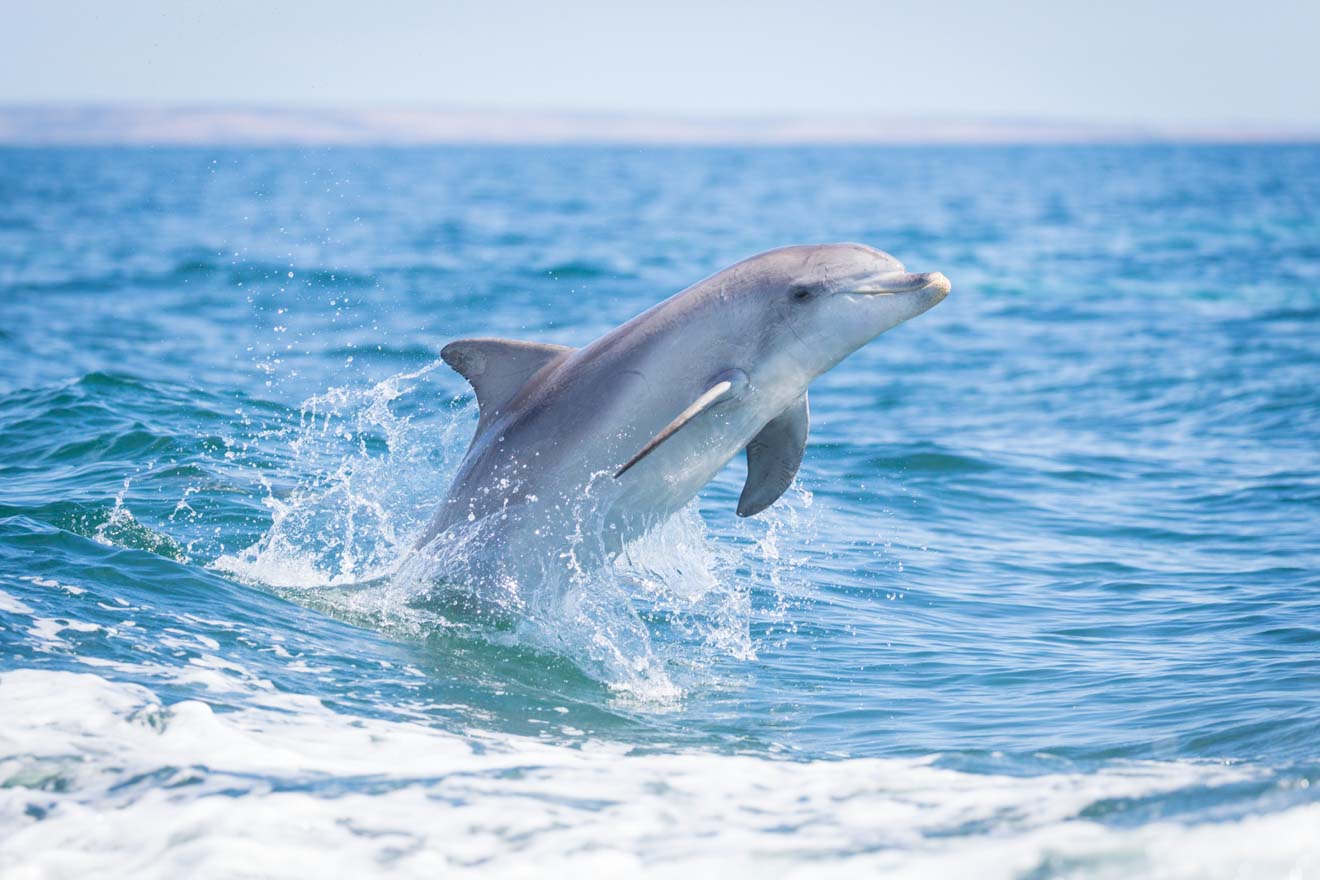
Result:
[[1044, 601]]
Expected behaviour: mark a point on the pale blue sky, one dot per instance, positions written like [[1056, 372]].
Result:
[[1184, 62]]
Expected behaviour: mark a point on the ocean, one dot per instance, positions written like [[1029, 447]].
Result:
[[1044, 600]]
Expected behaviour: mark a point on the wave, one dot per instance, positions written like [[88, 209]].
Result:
[[575, 270], [926, 458], [327, 789], [228, 274]]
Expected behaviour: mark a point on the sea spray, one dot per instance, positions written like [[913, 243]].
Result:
[[369, 478], [648, 621]]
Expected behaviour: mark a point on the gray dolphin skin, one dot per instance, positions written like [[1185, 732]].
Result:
[[617, 436]]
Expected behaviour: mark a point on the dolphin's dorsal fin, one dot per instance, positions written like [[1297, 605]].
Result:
[[773, 458], [498, 369]]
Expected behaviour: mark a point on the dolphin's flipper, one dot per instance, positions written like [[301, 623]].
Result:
[[497, 369], [727, 384], [773, 458]]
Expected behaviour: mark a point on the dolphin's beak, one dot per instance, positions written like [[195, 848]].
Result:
[[907, 282]]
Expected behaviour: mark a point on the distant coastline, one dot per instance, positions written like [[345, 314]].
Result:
[[143, 125]]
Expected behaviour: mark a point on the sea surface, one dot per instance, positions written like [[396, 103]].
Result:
[[1043, 602]]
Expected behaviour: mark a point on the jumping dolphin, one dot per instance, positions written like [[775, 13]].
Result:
[[622, 433]]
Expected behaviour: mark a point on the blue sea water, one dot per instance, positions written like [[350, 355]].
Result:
[[1043, 602]]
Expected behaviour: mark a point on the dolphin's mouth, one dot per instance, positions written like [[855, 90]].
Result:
[[906, 282]]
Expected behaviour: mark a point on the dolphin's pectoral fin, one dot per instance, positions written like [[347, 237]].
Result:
[[773, 458], [497, 369], [727, 384]]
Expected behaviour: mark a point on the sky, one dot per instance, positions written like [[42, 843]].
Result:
[[1181, 62]]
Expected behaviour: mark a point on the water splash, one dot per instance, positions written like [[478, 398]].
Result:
[[650, 621], [369, 478], [120, 528]]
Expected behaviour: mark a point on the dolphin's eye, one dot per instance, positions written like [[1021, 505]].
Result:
[[800, 293]]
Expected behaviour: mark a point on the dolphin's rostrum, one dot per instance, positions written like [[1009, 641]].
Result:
[[625, 431]]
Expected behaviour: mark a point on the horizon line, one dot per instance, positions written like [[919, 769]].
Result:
[[142, 123]]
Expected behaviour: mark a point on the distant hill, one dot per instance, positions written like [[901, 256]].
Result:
[[212, 125]]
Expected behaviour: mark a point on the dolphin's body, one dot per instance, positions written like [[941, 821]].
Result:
[[619, 435]]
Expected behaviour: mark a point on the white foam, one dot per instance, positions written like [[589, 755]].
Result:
[[46, 631], [11, 604], [291, 789], [53, 584]]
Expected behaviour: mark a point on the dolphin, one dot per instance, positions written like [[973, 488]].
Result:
[[619, 435]]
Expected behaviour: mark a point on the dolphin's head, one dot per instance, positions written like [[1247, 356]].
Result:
[[820, 303]]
